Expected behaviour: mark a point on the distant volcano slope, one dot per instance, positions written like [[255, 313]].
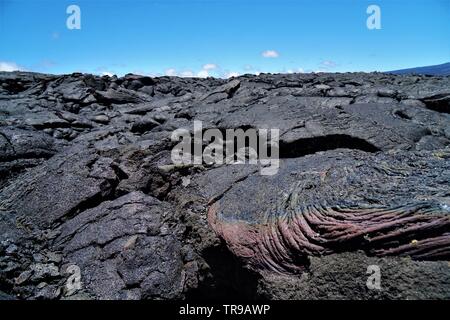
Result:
[[436, 70]]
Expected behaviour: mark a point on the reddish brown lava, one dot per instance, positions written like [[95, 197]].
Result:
[[281, 243]]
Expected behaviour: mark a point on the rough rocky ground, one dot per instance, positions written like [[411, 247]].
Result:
[[86, 181]]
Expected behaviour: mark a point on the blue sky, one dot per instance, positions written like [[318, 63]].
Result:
[[222, 37]]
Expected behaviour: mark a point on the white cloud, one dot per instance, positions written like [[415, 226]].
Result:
[[106, 73], [207, 70], [171, 72], [249, 69], [209, 66], [187, 73], [298, 70], [9, 66], [203, 74], [328, 64], [270, 54], [231, 74]]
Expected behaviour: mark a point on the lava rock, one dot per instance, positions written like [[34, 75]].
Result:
[[92, 206]]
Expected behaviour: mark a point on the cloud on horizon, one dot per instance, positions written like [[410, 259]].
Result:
[[204, 72], [328, 64], [270, 54], [231, 74], [209, 66], [10, 66]]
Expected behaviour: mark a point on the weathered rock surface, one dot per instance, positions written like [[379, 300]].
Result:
[[87, 184]]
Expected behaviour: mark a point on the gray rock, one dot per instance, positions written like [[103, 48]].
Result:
[[44, 271], [23, 277], [11, 249]]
